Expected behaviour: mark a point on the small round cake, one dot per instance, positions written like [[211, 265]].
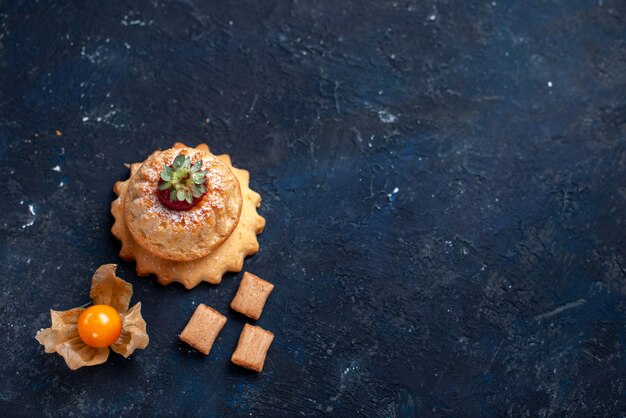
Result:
[[182, 203]]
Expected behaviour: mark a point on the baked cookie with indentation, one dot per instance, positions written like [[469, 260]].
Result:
[[252, 347], [251, 296], [158, 238], [203, 328]]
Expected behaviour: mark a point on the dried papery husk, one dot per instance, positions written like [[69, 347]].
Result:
[[63, 329], [78, 354], [107, 289], [134, 335]]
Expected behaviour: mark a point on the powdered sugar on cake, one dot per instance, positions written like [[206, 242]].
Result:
[[182, 235]]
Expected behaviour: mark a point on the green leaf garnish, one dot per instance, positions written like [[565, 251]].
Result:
[[198, 190], [166, 174], [184, 181], [196, 167], [178, 161], [198, 178]]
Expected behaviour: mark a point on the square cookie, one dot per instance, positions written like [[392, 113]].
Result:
[[203, 328], [252, 347], [251, 296]]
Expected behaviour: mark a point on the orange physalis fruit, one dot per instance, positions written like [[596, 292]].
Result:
[[99, 326]]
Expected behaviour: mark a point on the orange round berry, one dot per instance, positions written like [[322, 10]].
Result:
[[99, 326]]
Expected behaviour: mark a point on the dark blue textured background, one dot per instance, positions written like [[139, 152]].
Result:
[[444, 184]]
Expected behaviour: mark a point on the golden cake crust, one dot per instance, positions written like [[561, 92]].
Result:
[[228, 257], [182, 235]]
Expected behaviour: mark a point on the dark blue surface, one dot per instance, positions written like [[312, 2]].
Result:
[[444, 184]]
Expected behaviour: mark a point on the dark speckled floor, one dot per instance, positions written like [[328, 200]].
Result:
[[444, 184]]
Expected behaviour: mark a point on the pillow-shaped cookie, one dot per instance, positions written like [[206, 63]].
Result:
[[182, 203]]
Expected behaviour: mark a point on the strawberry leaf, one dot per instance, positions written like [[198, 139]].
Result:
[[178, 161], [184, 181], [196, 167]]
